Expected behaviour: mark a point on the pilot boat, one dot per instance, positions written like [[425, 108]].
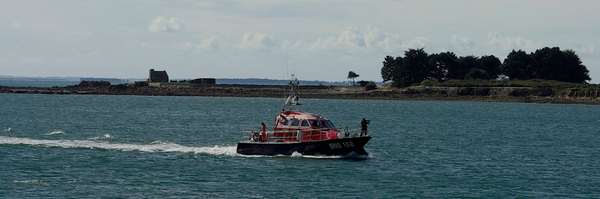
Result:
[[308, 134]]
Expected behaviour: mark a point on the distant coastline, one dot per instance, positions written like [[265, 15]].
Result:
[[499, 94], [17, 81]]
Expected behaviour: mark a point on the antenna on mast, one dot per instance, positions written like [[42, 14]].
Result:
[[293, 93]]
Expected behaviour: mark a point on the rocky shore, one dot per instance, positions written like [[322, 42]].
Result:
[[499, 94]]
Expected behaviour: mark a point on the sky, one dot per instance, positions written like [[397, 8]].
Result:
[[315, 40]]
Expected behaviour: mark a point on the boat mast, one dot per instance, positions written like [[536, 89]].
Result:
[[293, 98]]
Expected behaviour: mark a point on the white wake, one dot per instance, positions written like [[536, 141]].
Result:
[[55, 133], [94, 144]]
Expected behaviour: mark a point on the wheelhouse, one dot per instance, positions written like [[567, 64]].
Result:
[[302, 126], [292, 120]]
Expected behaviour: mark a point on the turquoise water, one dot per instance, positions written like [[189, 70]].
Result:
[[70, 146]]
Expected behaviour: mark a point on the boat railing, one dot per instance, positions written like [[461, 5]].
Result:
[[301, 135]]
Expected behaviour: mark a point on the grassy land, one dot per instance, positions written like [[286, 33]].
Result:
[[534, 83]]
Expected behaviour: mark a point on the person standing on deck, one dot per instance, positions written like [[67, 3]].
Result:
[[263, 127], [364, 124], [263, 134]]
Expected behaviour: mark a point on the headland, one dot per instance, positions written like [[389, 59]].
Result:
[[429, 93]]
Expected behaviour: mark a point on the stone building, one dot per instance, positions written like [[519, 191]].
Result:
[[158, 76]]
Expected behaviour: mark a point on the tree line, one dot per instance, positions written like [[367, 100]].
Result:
[[547, 63]]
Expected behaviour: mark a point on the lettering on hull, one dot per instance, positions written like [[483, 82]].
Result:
[[340, 145]]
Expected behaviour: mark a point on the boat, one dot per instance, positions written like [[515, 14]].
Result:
[[308, 134]]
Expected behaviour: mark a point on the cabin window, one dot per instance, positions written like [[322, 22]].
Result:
[[286, 122], [304, 123], [295, 122], [315, 123], [327, 124]]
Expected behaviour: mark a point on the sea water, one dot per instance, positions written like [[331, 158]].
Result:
[[89, 146]]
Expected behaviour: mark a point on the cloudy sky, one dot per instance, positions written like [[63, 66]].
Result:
[[319, 40]]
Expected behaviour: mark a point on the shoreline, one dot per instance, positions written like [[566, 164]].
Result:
[[467, 94]]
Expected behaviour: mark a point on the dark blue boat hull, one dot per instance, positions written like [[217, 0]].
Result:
[[344, 147]]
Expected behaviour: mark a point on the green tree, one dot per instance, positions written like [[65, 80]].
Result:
[[388, 69], [390, 72], [369, 85], [477, 73], [416, 67], [518, 65], [444, 64], [491, 65], [573, 69], [546, 63], [554, 64], [466, 64], [455, 69], [352, 75]]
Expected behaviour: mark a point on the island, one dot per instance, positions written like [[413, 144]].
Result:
[[533, 91]]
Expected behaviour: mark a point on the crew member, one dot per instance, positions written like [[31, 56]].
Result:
[[363, 129], [263, 134]]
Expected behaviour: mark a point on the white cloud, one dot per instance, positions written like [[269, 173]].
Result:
[[374, 38], [462, 42], [258, 41], [353, 40], [590, 49], [162, 25], [507, 43], [210, 44], [418, 42], [185, 46], [16, 24], [330, 43], [351, 37]]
